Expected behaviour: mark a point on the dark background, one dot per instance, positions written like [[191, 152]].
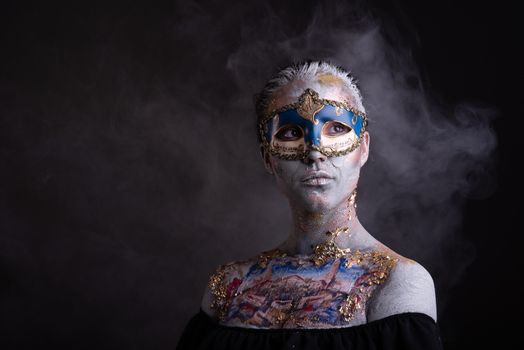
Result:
[[77, 268]]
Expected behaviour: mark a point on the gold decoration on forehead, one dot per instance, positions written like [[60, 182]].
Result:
[[309, 100], [309, 104]]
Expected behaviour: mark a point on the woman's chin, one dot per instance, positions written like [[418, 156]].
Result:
[[316, 202]]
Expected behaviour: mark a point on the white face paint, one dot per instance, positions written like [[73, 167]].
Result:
[[319, 183]]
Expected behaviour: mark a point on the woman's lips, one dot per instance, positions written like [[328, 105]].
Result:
[[317, 181], [317, 178]]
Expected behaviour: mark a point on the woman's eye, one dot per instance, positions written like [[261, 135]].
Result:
[[335, 129], [289, 134]]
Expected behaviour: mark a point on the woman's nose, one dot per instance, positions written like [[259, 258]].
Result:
[[314, 156]]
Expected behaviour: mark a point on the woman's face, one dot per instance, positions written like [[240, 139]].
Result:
[[318, 183]]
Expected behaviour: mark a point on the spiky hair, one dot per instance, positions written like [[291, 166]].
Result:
[[306, 71]]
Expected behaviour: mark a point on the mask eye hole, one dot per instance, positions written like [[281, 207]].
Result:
[[335, 129], [289, 133]]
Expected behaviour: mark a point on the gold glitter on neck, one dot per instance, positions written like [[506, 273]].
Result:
[[326, 251]]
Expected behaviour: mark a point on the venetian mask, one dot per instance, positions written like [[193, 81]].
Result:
[[331, 127]]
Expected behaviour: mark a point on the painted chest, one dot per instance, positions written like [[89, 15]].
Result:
[[279, 291]]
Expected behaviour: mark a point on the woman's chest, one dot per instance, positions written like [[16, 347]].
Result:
[[295, 293]]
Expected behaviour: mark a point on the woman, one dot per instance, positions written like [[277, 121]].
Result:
[[330, 284]]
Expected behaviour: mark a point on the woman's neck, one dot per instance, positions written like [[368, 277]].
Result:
[[313, 228]]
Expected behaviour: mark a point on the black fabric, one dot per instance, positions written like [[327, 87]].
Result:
[[403, 331]]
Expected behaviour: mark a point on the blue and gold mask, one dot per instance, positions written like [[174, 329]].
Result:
[[312, 123]]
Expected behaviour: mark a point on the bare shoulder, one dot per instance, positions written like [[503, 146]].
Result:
[[409, 288], [207, 300], [215, 294]]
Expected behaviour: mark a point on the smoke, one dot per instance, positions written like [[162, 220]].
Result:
[[131, 164], [426, 157]]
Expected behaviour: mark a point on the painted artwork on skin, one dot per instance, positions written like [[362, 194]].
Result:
[[293, 292]]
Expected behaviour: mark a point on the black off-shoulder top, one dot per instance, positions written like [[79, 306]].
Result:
[[404, 331]]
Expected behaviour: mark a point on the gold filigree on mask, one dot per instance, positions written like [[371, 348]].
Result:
[[309, 104]]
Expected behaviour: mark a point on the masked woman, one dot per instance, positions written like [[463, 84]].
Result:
[[330, 284]]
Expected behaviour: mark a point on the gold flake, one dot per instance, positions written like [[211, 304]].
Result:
[[217, 287], [265, 257]]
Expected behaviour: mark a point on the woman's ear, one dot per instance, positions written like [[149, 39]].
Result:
[[364, 148], [266, 159]]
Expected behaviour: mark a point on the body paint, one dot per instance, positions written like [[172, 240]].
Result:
[[293, 292]]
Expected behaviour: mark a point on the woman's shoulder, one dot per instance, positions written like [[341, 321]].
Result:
[[408, 288], [224, 277]]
